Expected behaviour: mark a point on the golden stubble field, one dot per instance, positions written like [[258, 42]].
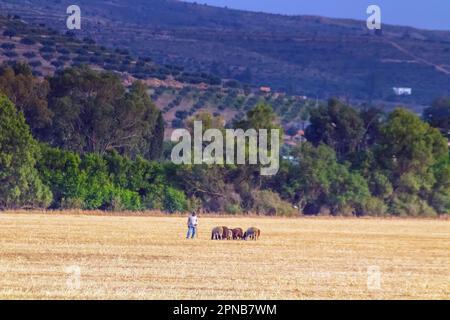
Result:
[[130, 257]]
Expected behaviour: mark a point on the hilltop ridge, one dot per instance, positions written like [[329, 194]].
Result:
[[303, 55]]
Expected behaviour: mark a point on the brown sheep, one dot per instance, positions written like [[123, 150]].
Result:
[[238, 233], [225, 232], [217, 233], [252, 233]]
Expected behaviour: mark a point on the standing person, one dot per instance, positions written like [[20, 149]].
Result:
[[192, 225]]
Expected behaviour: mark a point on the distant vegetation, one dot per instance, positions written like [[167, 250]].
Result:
[[47, 52], [232, 103], [59, 50], [99, 146], [299, 55], [81, 129]]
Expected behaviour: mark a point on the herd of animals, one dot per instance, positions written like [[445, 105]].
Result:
[[225, 233]]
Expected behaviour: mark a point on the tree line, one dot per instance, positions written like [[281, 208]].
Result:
[[80, 139]]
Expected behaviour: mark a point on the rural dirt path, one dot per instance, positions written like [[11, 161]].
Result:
[[416, 58]]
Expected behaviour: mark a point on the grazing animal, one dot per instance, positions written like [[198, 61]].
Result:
[[238, 233], [252, 233], [225, 232], [230, 234], [217, 233]]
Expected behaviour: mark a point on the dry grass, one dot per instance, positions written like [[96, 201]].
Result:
[[148, 258]]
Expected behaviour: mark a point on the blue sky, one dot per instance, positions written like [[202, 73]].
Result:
[[428, 14]]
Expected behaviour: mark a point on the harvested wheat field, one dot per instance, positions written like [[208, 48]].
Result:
[[131, 257]]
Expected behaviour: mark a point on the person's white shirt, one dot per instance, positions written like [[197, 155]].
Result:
[[192, 221]]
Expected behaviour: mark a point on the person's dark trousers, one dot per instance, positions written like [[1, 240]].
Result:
[[192, 231]]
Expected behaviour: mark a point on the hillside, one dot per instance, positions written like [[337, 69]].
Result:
[[179, 94], [303, 55]]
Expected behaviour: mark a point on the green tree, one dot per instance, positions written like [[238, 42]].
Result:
[[28, 94], [20, 185], [208, 120], [316, 180], [94, 113], [146, 178], [338, 126], [206, 182], [60, 170], [267, 202], [438, 115], [440, 195], [262, 116], [150, 127], [408, 150], [156, 143], [174, 200]]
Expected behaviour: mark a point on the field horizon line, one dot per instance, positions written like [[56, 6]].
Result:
[[161, 214]]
